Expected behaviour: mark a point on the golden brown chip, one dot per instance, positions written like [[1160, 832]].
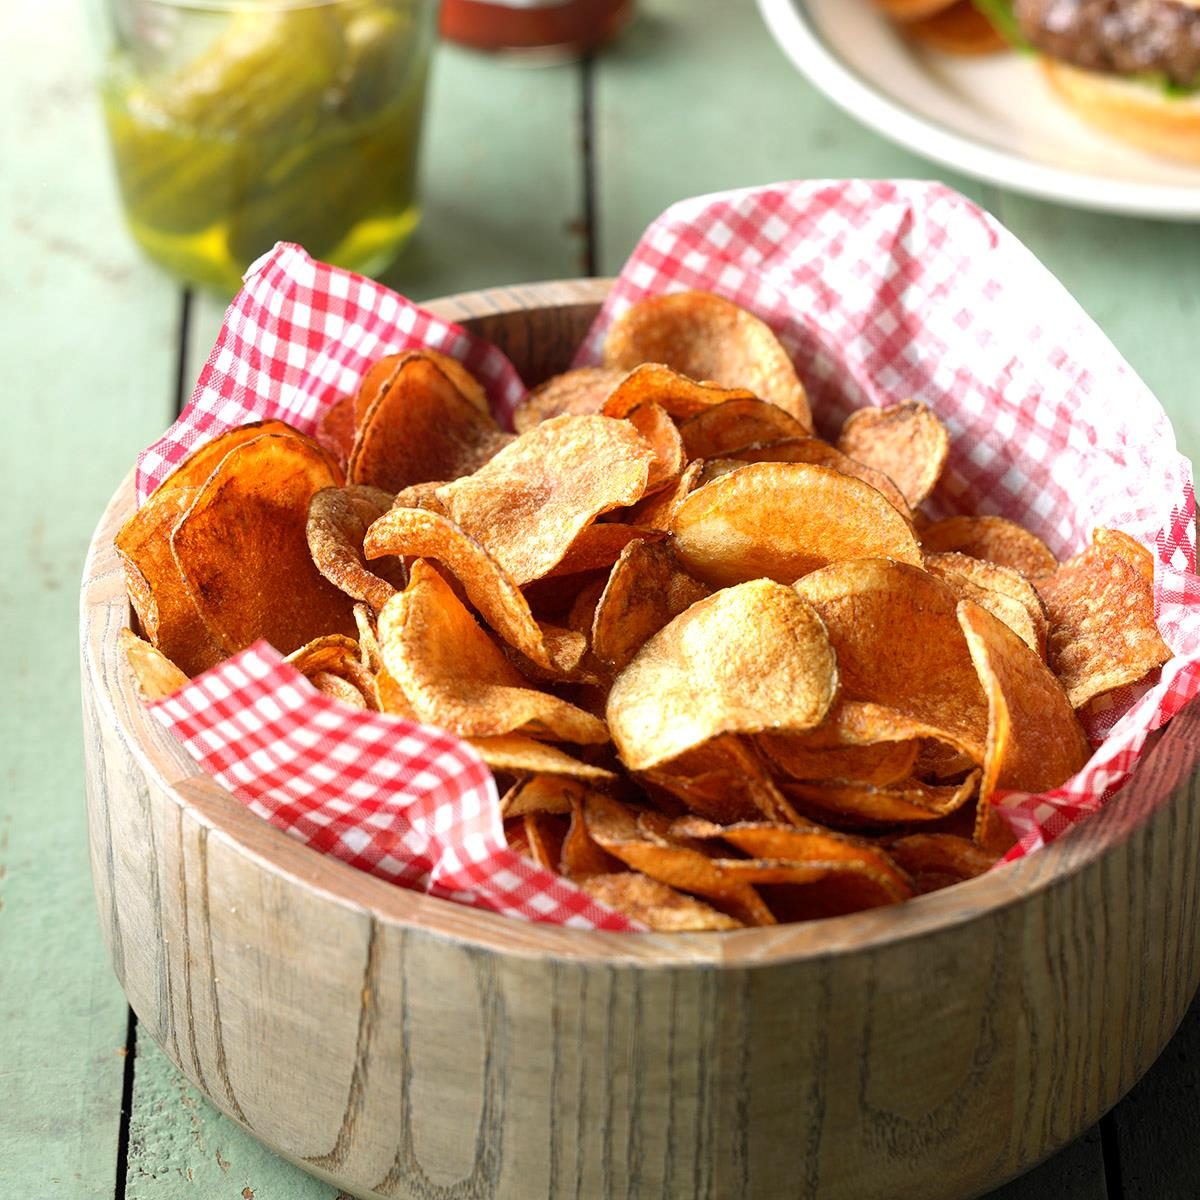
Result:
[[337, 688], [708, 337], [1005, 593], [822, 454], [679, 395], [1034, 739], [421, 427], [1134, 553], [532, 500], [338, 519], [368, 642], [415, 532], [653, 423], [382, 375], [1103, 634], [898, 643], [581, 856], [653, 904], [540, 794], [936, 860], [658, 511], [863, 804], [516, 752], [391, 696], [994, 539], [421, 495], [737, 423], [646, 589], [157, 676], [242, 549], [783, 520], [336, 428], [749, 658], [455, 676], [195, 470], [794, 757], [906, 442], [614, 827], [578, 392], [598, 546], [544, 834], [336, 654]]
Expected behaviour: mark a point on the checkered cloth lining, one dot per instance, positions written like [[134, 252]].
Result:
[[880, 291]]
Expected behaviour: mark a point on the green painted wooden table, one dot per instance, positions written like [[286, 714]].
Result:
[[528, 174]]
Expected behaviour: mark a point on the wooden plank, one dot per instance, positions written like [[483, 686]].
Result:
[[1158, 1154], [88, 344], [501, 185]]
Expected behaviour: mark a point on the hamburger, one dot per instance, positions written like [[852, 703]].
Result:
[[1131, 67]]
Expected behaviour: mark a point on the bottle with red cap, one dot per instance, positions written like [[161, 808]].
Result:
[[537, 28]]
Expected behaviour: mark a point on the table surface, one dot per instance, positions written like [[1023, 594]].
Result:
[[528, 174]]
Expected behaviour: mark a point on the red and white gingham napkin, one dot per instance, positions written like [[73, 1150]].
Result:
[[880, 291]]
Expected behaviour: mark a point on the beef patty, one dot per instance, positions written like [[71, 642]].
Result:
[[1119, 37]]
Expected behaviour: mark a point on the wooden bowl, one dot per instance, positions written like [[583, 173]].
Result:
[[402, 1046]]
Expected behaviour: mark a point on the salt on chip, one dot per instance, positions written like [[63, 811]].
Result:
[[822, 454], [455, 676], [420, 533], [898, 643], [677, 394], [652, 903], [708, 337], [749, 658], [421, 427], [993, 539], [338, 520], [1103, 634], [530, 502], [580, 391], [655, 425], [781, 521], [242, 548], [736, 423], [1004, 592], [906, 441], [645, 590], [1034, 740]]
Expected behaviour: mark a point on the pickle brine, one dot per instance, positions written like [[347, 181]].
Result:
[[297, 125]]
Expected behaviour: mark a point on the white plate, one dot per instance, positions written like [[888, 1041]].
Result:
[[993, 117]]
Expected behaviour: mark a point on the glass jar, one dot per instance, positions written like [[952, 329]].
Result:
[[239, 123], [539, 28]]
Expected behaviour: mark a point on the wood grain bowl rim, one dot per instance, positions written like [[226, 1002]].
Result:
[[157, 754]]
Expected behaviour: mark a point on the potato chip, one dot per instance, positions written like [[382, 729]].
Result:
[[905, 441], [383, 374], [660, 908], [578, 392], [679, 395], [794, 757], [368, 642], [338, 519], [529, 503], [336, 429], [993, 539], [157, 676], [1034, 740], [645, 590], [895, 631], [421, 427], [614, 827], [783, 520], [596, 547], [337, 688], [195, 470], [1102, 629], [242, 550], [581, 856], [416, 532], [658, 511], [540, 794], [708, 337], [1133, 552], [544, 834], [737, 423], [936, 860], [391, 696], [663, 435], [336, 654], [516, 752], [864, 804], [822, 454], [421, 495], [455, 676], [1005, 593], [749, 658]]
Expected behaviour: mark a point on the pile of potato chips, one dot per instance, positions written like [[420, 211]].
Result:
[[725, 673]]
